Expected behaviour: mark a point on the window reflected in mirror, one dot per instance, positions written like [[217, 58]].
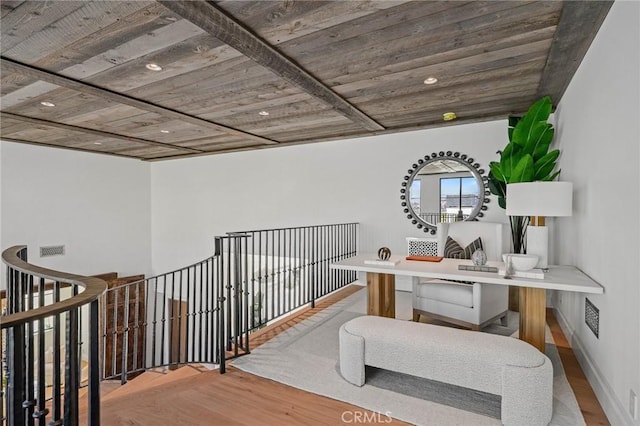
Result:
[[445, 188]]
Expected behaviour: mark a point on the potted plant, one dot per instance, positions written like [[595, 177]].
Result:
[[526, 158]]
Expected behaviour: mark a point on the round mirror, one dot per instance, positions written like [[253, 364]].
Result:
[[444, 187]]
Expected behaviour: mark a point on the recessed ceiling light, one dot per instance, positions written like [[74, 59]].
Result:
[[153, 67], [430, 80], [264, 113], [47, 104], [164, 131], [448, 116]]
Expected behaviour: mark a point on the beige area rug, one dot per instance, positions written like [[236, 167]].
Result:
[[306, 357]]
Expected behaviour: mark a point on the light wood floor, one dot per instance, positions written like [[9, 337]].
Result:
[[239, 398]]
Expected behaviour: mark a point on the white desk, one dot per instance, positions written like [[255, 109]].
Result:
[[381, 286]]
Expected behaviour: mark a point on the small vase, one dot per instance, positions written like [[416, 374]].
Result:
[[479, 257]]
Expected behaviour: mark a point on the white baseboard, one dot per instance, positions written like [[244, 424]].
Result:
[[612, 406]]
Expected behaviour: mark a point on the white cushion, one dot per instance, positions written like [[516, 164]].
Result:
[[446, 291], [500, 365]]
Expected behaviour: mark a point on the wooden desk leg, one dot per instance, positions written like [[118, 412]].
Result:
[[381, 294], [532, 316]]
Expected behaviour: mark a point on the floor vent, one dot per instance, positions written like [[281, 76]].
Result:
[[51, 251], [592, 317]]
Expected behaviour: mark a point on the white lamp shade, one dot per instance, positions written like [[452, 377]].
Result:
[[540, 199]]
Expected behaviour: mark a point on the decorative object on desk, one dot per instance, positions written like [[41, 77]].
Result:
[[477, 268], [521, 262], [384, 253], [526, 158], [422, 246], [425, 258], [539, 199], [448, 178], [453, 250], [479, 257], [508, 268]]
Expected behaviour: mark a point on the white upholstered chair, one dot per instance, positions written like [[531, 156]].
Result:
[[469, 305]]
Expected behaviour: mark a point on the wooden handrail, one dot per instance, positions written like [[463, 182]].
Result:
[[93, 288]]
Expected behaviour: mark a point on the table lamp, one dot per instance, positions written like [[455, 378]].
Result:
[[539, 199]]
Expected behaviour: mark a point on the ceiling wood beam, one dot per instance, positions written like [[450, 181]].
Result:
[[570, 43], [227, 29], [101, 92], [40, 121], [71, 148]]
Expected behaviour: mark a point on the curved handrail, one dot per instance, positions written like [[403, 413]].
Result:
[[93, 288]]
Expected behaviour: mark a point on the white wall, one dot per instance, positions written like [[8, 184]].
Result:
[[97, 206], [356, 180], [599, 135]]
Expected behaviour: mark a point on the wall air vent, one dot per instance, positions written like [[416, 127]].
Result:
[[51, 251], [592, 317]]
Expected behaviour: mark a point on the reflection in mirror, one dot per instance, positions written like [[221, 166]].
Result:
[[444, 188]]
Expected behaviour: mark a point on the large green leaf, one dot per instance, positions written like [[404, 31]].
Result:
[[540, 140], [496, 187], [538, 112], [545, 165], [502, 202], [523, 172], [512, 120], [510, 157], [496, 171]]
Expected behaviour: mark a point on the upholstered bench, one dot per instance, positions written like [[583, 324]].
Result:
[[495, 364]]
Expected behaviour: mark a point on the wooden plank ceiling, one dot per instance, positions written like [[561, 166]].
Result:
[[242, 75]]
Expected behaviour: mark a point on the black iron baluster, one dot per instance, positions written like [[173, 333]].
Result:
[[221, 313], [180, 296], [71, 378], [215, 306], [191, 275], [262, 300], [245, 292], [325, 260], [305, 272], [136, 328], [125, 337], [154, 321], [234, 280], [266, 283], [41, 414], [288, 262], [75, 292], [114, 336], [209, 311], [57, 379], [94, 362], [30, 400], [104, 337], [200, 316], [334, 251], [252, 301], [15, 362], [229, 297], [279, 274], [296, 267], [145, 323], [16, 392], [163, 320], [273, 278]]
